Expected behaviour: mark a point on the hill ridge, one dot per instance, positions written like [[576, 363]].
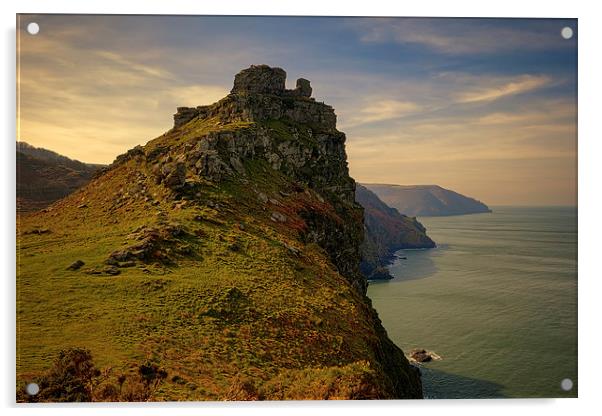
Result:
[[427, 200]]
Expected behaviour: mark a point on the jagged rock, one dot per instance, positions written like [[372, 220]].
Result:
[[260, 79], [184, 115], [130, 154], [175, 175], [76, 265], [150, 246], [303, 88]]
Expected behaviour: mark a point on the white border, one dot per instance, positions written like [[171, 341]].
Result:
[[590, 232]]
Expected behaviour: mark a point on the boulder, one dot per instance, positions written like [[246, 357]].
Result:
[[76, 265], [111, 270], [421, 355]]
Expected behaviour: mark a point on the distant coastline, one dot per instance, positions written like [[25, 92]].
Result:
[[427, 200]]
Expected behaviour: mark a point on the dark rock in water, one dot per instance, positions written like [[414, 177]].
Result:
[[421, 355], [76, 265]]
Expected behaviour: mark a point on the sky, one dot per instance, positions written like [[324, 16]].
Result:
[[485, 107]]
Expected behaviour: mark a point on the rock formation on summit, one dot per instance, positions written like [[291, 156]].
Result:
[[308, 148]]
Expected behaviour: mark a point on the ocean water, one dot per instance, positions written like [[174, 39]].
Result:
[[497, 300]]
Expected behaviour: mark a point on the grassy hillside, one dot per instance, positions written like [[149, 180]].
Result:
[[224, 285]]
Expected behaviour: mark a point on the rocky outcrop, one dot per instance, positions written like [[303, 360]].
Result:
[[260, 79], [293, 134], [259, 95]]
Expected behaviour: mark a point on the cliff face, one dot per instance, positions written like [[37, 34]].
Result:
[[235, 238], [386, 231]]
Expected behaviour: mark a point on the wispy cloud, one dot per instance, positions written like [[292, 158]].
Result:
[[457, 102], [464, 36], [514, 86], [380, 110]]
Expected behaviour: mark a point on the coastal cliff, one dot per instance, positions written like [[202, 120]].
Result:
[[225, 252], [386, 231]]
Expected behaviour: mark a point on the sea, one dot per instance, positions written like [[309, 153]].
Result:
[[496, 300]]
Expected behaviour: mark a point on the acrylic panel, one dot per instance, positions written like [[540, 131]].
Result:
[[295, 208]]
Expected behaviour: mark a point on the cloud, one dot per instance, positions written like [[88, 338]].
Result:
[[91, 87], [194, 95], [518, 85], [93, 104], [384, 109], [465, 36]]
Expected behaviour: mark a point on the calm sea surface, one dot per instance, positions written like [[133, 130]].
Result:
[[497, 300]]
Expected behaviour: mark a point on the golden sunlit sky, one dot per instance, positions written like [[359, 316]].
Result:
[[486, 107]]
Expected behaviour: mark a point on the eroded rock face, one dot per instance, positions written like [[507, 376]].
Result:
[[303, 88], [259, 95], [260, 79]]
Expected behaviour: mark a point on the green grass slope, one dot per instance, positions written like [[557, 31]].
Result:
[[208, 284]]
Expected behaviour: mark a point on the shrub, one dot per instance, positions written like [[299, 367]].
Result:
[[73, 377]]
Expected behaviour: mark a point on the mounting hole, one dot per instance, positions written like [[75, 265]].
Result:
[[566, 32], [33, 28], [566, 384], [32, 389]]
